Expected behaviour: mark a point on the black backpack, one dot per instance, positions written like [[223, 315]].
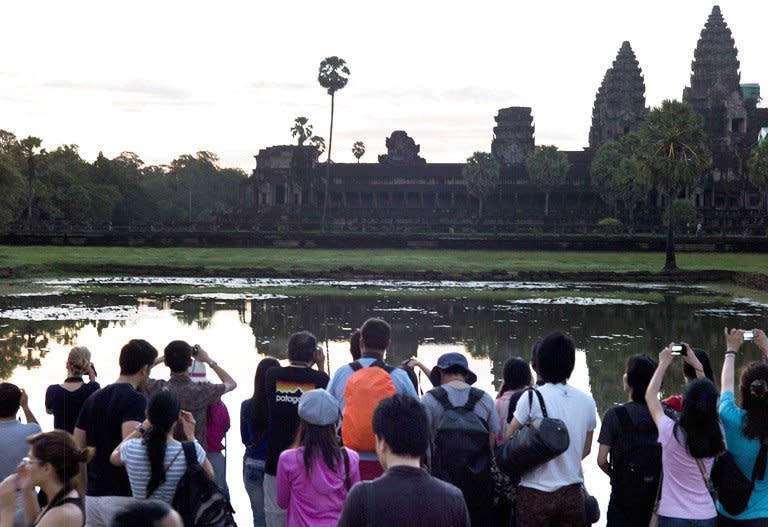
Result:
[[462, 453], [198, 499], [636, 467]]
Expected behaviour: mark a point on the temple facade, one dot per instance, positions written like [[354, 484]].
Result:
[[403, 191]]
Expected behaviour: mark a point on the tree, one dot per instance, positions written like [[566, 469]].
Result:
[[29, 146], [301, 129], [332, 75], [319, 143], [358, 150], [547, 168], [757, 167], [604, 172], [481, 173], [672, 153], [12, 196]]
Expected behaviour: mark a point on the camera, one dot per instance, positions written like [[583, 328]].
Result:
[[195, 350], [678, 349], [749, 334]]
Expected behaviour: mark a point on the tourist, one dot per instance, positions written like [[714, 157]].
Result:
[[702, 371], [367, 390], [195, 397], [108, 416], [13, 433], [52, 465], [354, 344], [688, 448], [406, 495], [65, 400], [253, 432], [285, 386], [457, 459], [149, 513], [552, 494], [154, 460], [315, 476], [746, 427], [516, 378], [629, 451]]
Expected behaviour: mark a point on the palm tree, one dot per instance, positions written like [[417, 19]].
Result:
[[358, 150], [547, 168], [672, 153], [301, 129], [319, 143], [332, 75], [758, 168], [29, 147], [481, 174]]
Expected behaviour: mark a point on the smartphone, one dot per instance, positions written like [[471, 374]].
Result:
[[678, 349], [749, 334]]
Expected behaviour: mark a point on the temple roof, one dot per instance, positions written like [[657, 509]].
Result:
[[715, 67]]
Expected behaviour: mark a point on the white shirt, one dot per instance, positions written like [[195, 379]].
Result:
[[577, 410]]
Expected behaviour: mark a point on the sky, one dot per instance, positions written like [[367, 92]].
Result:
[[165, 78]]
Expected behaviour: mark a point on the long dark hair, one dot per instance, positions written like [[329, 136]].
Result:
[[516, 374], [163, 412], [640, 370], [318, 441], [699, 420], [754, 400], [259, 399]]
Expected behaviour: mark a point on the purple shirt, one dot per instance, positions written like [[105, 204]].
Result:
[[683, 491], [313, 500]]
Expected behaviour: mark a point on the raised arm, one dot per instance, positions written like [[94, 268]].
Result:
[[224, 377], [761, 341], [28, 415], [733, 341], [654, 387], [690, 358]]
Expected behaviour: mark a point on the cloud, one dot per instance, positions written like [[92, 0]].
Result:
[[282, 86], [130, 87]]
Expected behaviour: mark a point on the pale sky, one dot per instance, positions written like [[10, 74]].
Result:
[[164, 78]]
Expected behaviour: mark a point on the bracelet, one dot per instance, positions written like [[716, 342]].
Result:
[[730, 353]]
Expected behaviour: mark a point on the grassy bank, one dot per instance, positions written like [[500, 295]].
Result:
[[50, 260]]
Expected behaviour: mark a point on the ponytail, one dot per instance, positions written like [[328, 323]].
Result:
[[163, 413]]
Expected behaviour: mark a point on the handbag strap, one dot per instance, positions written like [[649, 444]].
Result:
[[707, 481], [760, 461], [543, 406]]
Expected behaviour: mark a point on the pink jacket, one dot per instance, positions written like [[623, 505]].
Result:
[[315, 500]]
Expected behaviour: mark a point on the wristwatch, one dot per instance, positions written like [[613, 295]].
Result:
[[140, 429]]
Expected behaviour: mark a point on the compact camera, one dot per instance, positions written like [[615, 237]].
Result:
[[678, 349]]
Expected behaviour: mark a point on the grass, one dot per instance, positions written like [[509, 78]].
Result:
[[58, 261]]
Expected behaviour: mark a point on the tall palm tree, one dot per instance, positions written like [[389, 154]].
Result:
[[301, 129], [319, 143], [358, 150], [29, 146], [547, 168], [332, 75], [481, 174]]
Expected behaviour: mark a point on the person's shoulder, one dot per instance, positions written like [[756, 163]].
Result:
[[444, 488], [32, 428], [354, 457], [65, 514], [290, 456]]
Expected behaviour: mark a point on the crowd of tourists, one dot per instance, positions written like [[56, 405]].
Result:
[[364, 448]]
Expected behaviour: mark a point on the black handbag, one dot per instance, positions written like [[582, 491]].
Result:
[[538, 441], [732, 486]]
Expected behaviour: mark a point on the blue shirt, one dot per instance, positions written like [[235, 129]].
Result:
[[252, 436], [744, 451]]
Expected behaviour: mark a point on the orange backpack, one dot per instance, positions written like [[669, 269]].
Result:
[[365, 388]]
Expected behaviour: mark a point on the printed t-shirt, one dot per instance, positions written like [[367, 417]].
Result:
[[101, 419], [285, 386], [65, 405], [578, 412], [254, 437], [744, 451], [133, 454], [13, 444], [458, 396], [194, 397], [683, 491]]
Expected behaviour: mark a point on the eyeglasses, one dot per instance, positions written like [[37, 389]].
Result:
[[30, 461]]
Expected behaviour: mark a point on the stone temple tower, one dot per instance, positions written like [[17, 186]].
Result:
[[513, 137], [620, 101]]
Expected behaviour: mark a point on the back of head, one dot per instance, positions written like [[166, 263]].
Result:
[[163, 412], [753, 387], [375, 334], [79, 360], [147, 513], [699, 419], [58, 449], [401, 422], [556, 357], [640, 369], [136, 354], [706, 365], [178, 356], [354, 344], [302, 346], [163, 409], [10, 400], [517, 375]]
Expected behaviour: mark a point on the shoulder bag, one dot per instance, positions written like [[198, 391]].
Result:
[[732, 486]]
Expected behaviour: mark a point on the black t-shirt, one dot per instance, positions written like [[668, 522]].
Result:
[[102, 418], [644, 428], [284, 388], [65, 405], [406, 497]]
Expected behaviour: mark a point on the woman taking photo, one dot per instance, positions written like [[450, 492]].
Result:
[[688, 447], [153, 459], [253, 432], [53, 462], [65, 400], [314, 477], [746, 426]]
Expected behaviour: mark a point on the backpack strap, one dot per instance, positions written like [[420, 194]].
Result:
[[441, 396], [190, 453], [624, 420], [356, 366], [474, 396], [384, 366], [760, 462], [347, 481]]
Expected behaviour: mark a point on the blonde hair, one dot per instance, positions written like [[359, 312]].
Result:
[[79, 360]]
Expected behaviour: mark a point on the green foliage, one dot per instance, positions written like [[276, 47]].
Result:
[[617, 173], [611, 225], [481, 174], [333, 74], [301, 129], [684, 214], [12, 196], [319, 143], [757, 166], [358, 150], [547, 168]]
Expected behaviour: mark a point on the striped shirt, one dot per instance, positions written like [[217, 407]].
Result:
[[133, 454]]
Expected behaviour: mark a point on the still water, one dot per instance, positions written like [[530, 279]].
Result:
[[240, 321]]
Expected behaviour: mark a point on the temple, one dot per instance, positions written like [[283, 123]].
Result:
[[403, 192]]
